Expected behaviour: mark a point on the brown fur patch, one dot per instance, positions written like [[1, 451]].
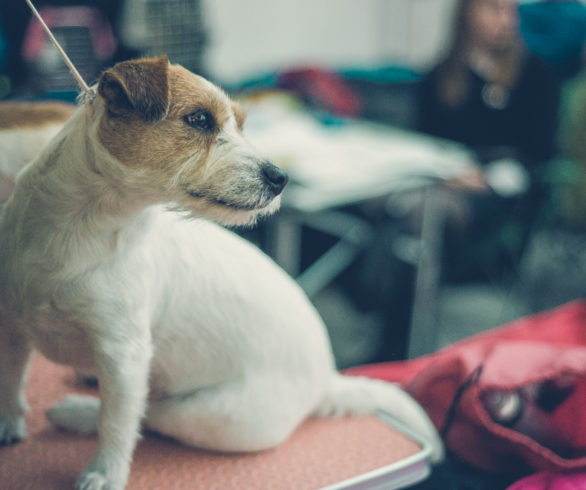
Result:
[[164, 144], [33, 114], [139, 85]]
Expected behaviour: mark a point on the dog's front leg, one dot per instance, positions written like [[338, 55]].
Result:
[[123, 370], [14, 354]]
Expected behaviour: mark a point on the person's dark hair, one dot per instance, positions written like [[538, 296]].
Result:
[[453, 72]]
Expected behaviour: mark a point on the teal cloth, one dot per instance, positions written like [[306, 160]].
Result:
[[554, 31]]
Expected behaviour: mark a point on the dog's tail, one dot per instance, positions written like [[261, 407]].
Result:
[[350, 395]]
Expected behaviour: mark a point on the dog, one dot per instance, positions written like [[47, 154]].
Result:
[[25, 128], [111, 262]]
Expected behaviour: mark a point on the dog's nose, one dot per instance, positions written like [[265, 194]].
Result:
[[275, 177]]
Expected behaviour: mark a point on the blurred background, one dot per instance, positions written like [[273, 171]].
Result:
[[435, 147], [234, 41]]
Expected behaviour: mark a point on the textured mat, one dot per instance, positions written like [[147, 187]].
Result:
[[320, 453]]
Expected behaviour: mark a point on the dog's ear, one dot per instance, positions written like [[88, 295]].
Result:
[[139, 85]]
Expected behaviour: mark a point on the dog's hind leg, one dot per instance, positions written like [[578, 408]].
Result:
[[226, 418], [14, 356]]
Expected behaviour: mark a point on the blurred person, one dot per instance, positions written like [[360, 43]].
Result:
[[492, 95]]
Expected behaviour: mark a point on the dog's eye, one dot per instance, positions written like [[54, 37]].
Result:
[[201, 120]]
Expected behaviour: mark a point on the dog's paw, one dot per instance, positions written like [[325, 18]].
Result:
[[12, 429], [97, 477], [95, 480], [76, 413]]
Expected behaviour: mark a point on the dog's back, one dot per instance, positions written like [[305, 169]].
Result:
[[24, 115], [25, 128]]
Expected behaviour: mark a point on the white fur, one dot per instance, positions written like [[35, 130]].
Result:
[[96, 271]]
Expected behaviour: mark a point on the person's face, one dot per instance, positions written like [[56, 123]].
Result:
[[492, 24]]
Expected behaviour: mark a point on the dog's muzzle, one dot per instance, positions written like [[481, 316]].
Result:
[[275, 177]]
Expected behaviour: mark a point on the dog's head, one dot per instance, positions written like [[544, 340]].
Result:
[[181, 136]]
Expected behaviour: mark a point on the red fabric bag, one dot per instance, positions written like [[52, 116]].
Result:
[[539, 361], [546, 480]]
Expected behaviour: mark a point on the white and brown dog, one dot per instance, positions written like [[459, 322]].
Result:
[[107, 265]]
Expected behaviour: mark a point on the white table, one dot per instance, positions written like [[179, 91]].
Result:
[[331, 166]]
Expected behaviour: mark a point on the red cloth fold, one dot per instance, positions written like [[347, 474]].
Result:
[[519, 357]]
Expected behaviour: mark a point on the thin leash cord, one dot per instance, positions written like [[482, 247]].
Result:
[[84, 87]]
